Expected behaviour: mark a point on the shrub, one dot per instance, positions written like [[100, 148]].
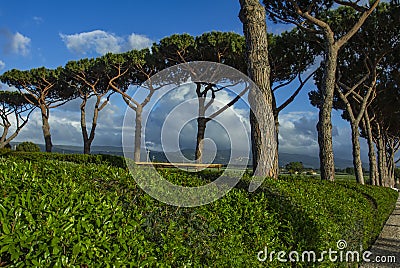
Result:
[[61, 214], [112, 160], [294, 167], [27, 146]]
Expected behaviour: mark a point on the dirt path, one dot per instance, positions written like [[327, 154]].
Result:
[[387, 246]]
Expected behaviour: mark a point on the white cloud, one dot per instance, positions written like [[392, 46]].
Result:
[[38, 20], [137, 41], [20, 44], [2, 65], [102, 42], [298, 135], [172, 121], [65, 126]]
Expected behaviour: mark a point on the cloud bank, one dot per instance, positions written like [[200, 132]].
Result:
[[15, 43], [297, 132], [102, 42]]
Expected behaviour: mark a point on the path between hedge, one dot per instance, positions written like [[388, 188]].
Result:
[[388, 242]]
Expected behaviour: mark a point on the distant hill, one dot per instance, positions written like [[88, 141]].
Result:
[[240, 158], [222, 157]]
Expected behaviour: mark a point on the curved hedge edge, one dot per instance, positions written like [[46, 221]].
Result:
[[111, 160], [384, 201]]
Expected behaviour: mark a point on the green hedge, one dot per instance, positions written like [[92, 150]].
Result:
[[380, 198], [61, 214], [112, 160]]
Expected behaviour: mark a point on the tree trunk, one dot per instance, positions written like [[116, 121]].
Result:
[[382, 168], [390, 162], [6, 141], [371, 150], [201, 129], [86, 146], [355, 138], [138, 133], [6, 127], [276, 118], [324, 125], [88, 139], [94, 122], [46, 127], [263, 133]]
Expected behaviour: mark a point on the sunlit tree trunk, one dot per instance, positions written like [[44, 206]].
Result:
[[263, 133], [324, 125], [138, 133], [355, 138], [201, 129], [371, 150], [46, 128]]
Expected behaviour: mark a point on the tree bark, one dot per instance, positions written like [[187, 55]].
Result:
[[46, 128], [88, 138], [355, 138], [390, 150], [263, 133], [371, 150], [382, 168], [86, 146], [276, 163], [6, 127], [201, 129], [324, 125], [138, 133]]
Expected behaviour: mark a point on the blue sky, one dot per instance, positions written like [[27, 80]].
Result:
[[51, 33]]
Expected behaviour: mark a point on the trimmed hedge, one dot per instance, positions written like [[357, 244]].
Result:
[[56, 213], [112, 160]]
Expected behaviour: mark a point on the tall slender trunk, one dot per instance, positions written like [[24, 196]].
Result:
[[201, 129], [381, 163], [263, 133], [324, 125], [382, 168], [390, 162], [276, 119], [355, 138], [371, 150], [138, 133], [86, 146], [46, 127], [94, 121], [88, 138]]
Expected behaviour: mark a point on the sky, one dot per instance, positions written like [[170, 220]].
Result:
[[51, 33]]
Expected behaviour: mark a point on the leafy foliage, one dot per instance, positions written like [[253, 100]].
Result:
[[27, 146], [55, 213], [294, 167], [35, 156]]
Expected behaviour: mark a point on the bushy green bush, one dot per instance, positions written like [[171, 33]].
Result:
[[112, 160], [27, 146], [60, 214]]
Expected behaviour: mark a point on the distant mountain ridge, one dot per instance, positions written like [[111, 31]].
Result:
[[221, 157]]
